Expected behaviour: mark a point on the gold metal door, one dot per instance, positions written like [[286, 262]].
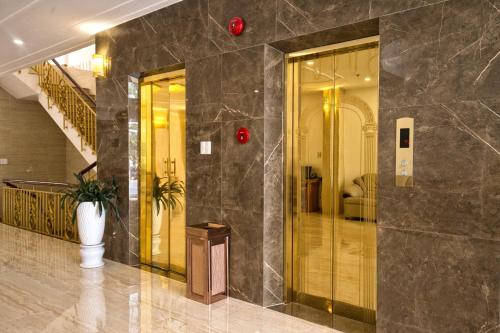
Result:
[[330, 185], [163, 172]]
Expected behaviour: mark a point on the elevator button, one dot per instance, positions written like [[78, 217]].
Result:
[[404, 152]]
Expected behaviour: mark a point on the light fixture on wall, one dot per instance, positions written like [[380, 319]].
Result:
[[331, 87], [176, 88], [160, 117], [101, 65]]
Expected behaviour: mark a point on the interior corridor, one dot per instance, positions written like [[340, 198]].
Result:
[[43, 289]]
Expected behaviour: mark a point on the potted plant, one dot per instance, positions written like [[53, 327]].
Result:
[[164, 195], [90, 200]]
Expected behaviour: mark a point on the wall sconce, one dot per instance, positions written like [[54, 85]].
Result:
[[176, 88], [160, 117], [101, 65]]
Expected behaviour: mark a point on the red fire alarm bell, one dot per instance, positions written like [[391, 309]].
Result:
[[243, 135], [236, 26]]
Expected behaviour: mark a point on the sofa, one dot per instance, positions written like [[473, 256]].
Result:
[[356, 197]]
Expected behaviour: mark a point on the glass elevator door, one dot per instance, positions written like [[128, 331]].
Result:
[[331, 179], [163, 172]]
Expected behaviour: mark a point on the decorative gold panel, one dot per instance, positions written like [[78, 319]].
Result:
[[145, 174], [39, 211]]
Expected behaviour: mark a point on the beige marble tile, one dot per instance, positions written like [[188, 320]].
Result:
[[43, 289]]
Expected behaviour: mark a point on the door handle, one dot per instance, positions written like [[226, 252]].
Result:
[[174, 167]]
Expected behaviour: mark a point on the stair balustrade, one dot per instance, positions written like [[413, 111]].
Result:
[[76, 110], [35, 206]]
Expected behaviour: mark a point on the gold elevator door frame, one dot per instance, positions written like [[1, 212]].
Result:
[[163, 154], [306, 271]]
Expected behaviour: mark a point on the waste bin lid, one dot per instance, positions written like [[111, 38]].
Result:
[[211, 226], [207, 230]]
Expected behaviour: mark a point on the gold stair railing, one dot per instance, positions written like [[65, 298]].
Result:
[[35, 206], [73, 106]]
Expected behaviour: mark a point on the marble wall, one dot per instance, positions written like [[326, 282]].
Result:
[[438, 242]]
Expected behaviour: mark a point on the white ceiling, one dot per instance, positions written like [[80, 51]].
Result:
[[51, 28]]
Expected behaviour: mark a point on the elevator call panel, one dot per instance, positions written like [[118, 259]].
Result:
[[404, 152]]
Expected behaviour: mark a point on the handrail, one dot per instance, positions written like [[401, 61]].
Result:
[[77, 86], [87, 169], [9, 182], [74, 108]]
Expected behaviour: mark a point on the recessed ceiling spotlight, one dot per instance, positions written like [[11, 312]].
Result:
[[310, 62], [367, 79], [17, 41]]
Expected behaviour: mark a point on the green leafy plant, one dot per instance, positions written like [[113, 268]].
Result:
[[167, 194], [103, 194]]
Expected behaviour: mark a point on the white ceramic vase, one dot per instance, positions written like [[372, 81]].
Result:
[[157, 218], [157, 221], [90, 224]]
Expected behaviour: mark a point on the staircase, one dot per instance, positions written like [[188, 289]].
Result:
[[69, 105]]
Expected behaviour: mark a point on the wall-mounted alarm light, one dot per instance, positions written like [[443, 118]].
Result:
[[242, 135], [236, 26]]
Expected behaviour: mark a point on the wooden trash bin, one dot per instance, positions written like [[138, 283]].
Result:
[[207, 262]]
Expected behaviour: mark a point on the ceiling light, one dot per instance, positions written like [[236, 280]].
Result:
[[92, 28], [17, 41], [310, 62], [367, 79]]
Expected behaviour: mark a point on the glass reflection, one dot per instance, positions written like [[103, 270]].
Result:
[[91, 307], [163, 170], [332, 126]]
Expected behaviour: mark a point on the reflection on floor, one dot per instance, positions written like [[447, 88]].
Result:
[[340, 323], [353, 239], [42, 289], [353, 265], [171, 253]]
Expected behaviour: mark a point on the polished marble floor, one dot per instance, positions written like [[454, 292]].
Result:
[[352, 259], [43, 289]]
